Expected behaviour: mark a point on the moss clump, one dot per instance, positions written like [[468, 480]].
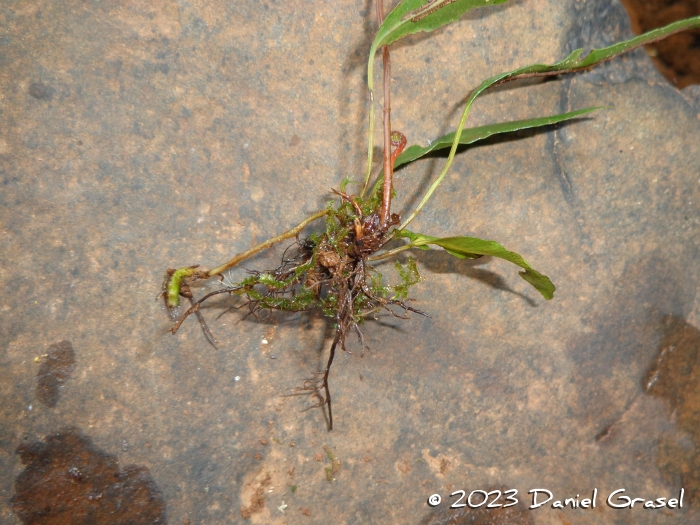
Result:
[[329, 271]]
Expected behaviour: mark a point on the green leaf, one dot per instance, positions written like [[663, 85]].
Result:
[[471, 248], [471, 135], [574, 62], [570, 64], [415, 16]]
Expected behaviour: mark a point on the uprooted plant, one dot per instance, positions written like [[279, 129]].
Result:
[[333, 270]]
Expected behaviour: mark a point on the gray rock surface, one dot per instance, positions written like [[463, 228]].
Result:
[[144, 135]]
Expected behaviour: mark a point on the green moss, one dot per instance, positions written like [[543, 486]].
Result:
[[409, 276], [335, 464]]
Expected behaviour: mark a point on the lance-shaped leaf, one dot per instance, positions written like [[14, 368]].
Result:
[[471, 135], [570, 64], [472, 248], [574, 62], [414, 16]]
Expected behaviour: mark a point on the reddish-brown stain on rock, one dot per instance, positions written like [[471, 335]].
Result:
[[69, 481]]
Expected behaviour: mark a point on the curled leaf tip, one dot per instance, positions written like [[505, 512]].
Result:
[[173, 285], [472, 248]]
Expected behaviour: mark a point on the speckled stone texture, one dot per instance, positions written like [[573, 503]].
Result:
[[143, 135]]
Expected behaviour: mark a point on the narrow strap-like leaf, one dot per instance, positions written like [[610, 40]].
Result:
[[471, 135], [574, 62], [570, 64], [414, 16], [472, 247]]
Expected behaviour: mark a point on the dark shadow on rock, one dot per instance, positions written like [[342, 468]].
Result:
[[438, 261], [355, 61], [624, 334], [513, 515], [56, 368], [68, 480], [600, 23], [674, 377], [512, 85], [41, 91]]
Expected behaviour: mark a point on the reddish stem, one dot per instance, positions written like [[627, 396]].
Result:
[[385, 212]]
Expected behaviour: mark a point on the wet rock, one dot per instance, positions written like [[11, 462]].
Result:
[[503, 386], [674, 377], [56, 369], [68, 480]]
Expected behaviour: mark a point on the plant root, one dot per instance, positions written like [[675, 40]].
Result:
[[329, 271]]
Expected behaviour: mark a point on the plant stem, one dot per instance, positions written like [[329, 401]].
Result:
[[370, 148], [390, 253], [387, 121], [388, 165], [264, 245], [176, 281], [448, 163]]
